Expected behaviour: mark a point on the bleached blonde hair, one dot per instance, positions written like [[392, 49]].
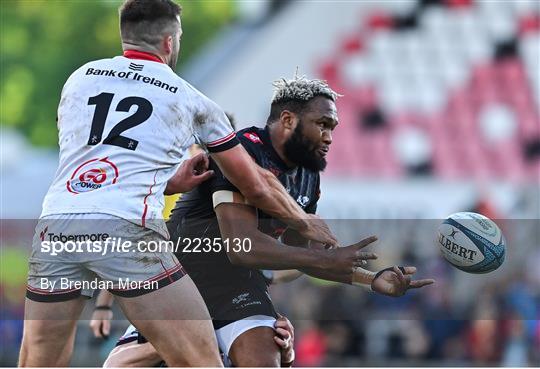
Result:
[[301, 88]]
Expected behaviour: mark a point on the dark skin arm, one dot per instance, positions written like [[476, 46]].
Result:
[[293, 238], [390, 283], [240, 221], [264, 191]]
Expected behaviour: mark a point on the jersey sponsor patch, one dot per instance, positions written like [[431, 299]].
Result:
[[136, 67], [253, 137], [92, 175], [43, 233], [133, 76], [302, 200]]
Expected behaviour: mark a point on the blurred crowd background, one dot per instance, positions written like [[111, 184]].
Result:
[[440, 113]]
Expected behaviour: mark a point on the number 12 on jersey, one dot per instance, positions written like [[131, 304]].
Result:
[[103, 104]]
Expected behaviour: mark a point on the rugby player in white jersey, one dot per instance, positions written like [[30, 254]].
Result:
[[124, 126]]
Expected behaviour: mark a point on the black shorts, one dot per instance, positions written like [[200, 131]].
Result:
[[228, 300], [234, 298]]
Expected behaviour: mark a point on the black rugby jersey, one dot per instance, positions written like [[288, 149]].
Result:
[[194, 218]]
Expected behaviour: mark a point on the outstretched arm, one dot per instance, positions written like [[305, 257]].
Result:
[[240, 221], [390, 281], [393, 281], [264, 191], [285, 276]]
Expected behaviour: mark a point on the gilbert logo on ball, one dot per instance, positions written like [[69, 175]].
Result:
[[471, 242]]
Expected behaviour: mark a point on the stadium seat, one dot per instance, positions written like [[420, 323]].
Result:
[[470, 86]]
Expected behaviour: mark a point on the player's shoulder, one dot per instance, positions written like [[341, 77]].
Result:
[[251, 136], [79, 73], [89, 68], [92, 64], [200, 100]]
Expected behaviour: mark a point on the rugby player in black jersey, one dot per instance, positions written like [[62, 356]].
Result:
[[293, 146]]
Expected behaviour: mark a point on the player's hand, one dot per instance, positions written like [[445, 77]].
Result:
[[101, 323], [317, 230], [284, 338], [191, 173], [395, 282], [314, 245], [344, 260]]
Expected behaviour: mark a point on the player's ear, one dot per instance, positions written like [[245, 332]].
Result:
[[288, 119], [168, 44]]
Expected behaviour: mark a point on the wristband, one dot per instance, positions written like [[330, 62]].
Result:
[[102, 307], [384, 270], [288, 364], [387, 269]]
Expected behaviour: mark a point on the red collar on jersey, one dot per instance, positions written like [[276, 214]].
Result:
[[135, 54]]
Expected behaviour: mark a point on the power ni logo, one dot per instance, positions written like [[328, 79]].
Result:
[[92, 175]]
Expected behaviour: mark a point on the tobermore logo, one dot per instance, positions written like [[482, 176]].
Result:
[[82, 237], [136, 76], [136, 67], [43, 233], [92, 175]]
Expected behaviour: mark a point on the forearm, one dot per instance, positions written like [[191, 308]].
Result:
[[360, 276], [268, 253], [284, 276], [363, 276]]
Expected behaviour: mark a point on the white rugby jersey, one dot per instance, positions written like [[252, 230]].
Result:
[[124, 127]]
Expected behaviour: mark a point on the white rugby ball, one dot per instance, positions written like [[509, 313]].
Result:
[[471, 242]]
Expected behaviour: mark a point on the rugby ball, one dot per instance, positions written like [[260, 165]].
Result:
[[471, 242]]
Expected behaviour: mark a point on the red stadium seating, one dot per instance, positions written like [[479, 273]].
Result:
[[471, 86]]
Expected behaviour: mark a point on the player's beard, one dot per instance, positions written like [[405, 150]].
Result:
[[302, 152], [174, 54], [173, 61]]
